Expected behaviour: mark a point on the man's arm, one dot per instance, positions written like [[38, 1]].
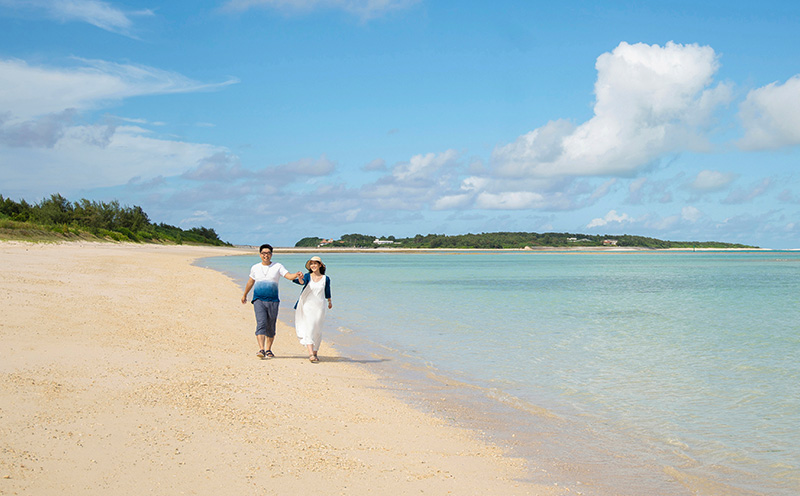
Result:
[[294, 275], [247, 289]]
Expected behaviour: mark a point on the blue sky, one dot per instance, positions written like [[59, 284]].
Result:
[[272, 120]]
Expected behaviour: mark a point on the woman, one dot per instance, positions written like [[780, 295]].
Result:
[[310, 307]]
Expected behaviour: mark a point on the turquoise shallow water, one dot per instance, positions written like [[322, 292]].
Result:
[[617, 373]]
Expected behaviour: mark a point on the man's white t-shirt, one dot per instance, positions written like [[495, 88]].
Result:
[[266, 279]]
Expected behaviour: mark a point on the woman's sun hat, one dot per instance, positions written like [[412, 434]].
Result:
[[316, 259]]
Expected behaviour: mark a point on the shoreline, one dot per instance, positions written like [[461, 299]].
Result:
[[552, 442], [126, 367], [546, 249]]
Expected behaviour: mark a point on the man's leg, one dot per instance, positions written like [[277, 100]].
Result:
[[271, 309], [262, 319]]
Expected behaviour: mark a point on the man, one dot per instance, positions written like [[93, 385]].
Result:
[[264, 278]]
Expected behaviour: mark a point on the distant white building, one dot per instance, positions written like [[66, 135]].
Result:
[[609, 242], [383, 242]]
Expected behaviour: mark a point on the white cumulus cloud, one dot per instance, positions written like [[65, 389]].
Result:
[[611, 217], [650, 101], [422, 167], [408, 185], [453, 202], [770, 116], [512, 200]]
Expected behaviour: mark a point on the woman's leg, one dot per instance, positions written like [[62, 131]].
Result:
[[312, 355]]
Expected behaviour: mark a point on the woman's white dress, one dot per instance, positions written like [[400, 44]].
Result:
[[310, 313]]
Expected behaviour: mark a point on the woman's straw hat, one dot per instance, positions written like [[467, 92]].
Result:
[[315, 259]]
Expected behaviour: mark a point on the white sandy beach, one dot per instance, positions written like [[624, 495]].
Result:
[[126, 370]]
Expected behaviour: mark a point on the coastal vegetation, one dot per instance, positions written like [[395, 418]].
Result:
[[499, 240], [56, 218]]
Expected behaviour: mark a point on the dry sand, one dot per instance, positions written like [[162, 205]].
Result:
[[126, 370]]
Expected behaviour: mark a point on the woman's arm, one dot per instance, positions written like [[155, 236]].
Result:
[[328, 291]]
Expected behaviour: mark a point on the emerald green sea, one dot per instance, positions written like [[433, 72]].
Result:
[[635, 373]]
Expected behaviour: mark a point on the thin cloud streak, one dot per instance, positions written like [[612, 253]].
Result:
[[28, 91], [363, 9], [100, 14]]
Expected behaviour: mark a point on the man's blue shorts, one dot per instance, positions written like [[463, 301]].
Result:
[[266, 316]]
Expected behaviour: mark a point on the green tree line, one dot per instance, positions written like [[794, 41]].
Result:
[[101, 219], [499, 240]]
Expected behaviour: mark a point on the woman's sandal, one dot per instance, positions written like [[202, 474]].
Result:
[[313, 359]]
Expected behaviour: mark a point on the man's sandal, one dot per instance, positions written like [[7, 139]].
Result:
[[269, 354]]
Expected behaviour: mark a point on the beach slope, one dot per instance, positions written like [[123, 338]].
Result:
[[124, 369]]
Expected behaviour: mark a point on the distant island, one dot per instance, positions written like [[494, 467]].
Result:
[[508, 240], [56, 218]]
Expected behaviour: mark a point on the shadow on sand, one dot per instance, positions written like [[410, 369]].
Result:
[[324, 359]]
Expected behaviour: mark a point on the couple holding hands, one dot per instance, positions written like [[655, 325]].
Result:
[[314, 300]]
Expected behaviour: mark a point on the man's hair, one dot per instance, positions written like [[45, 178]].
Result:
[[269, 247]]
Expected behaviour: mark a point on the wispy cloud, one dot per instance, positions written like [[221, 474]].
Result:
[[224, 167], [43, 148], [745, 195], [709, 180], [97, 13], [28, 91], [364, 9], [377, 164], [691, 214], [42, 132], [647, 190], [221, 167], [787, 196], [93, 157]]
